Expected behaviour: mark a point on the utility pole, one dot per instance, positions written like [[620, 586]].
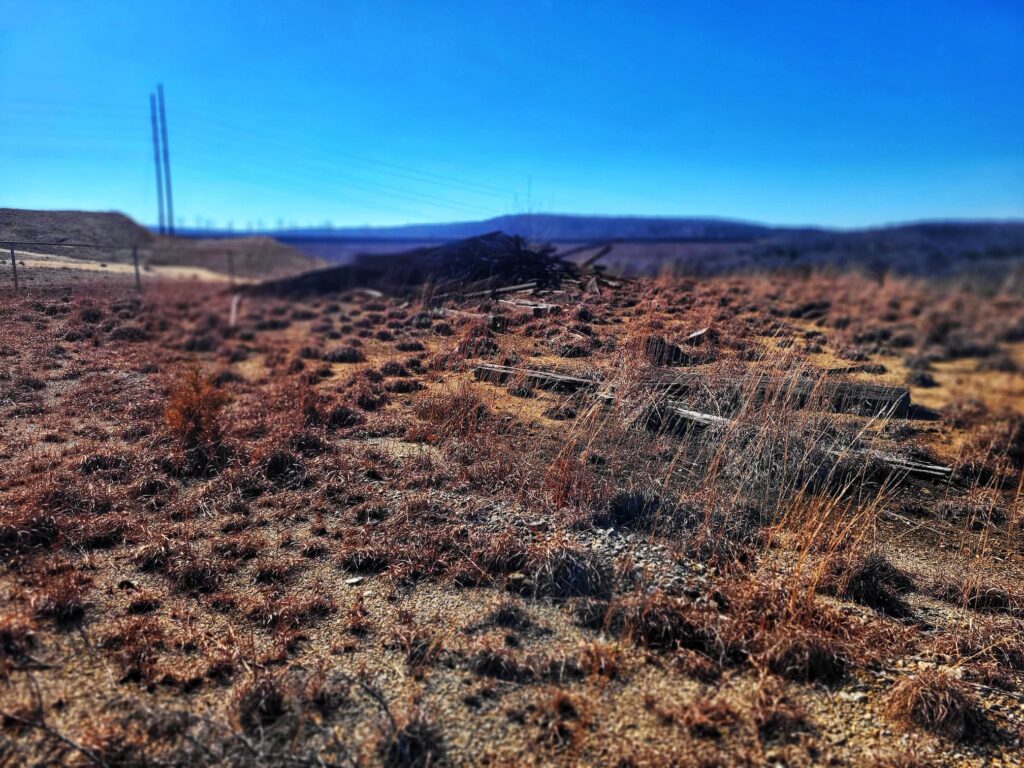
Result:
[[156, 162], [167, 158]]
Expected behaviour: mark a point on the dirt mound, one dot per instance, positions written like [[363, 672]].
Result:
[[113, 231]]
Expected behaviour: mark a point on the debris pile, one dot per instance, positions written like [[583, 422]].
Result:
[[491, 262]]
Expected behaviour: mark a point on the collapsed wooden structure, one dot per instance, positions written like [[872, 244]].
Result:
[[491, 264], [839, 396]]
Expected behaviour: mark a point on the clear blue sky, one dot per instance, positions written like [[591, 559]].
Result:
[[841, 113]]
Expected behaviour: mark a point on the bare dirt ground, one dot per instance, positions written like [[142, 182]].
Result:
[[319, 537], [50, 271]]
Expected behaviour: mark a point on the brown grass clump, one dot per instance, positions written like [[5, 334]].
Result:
[[559, 718], [706, 717], [454, 410], [191, 572], [600, 660], [17, 639], [775, 715], [570, 483], [559, 570], [667, 623], [418, 646], [25, 530], [63, 599], [938, 703], [501, 664], [260, 704], [985, 598], [870, 580], [135, 644], [804, 655], [410, 741]]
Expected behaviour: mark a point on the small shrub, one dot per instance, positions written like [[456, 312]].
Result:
[[192, 417]]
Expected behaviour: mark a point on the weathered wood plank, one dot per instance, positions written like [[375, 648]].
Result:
[[534, 308], [893, 462], [543, 379], [842, 396]]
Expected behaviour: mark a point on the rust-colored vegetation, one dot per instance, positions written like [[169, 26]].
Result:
[[324, 536]]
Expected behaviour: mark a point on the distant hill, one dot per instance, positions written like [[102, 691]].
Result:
[[648, 245], [113, 235], [553, 226]]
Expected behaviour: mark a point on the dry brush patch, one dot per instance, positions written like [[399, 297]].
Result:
[[317, 523]]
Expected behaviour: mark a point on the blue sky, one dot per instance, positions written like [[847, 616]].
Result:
[[839, 113]]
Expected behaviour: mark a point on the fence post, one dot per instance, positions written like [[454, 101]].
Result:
[[233, 319], [231, 267], [135, 260], [14, 269]]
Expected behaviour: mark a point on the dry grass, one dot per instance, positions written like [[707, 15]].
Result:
[[937, 703], [316, 527]]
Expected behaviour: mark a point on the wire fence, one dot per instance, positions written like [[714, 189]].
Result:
[[141, 257]]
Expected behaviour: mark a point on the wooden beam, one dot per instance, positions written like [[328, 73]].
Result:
[[592, 260], [532, 285], [534, 308], [893, 462], [899, 463], [839, 396]]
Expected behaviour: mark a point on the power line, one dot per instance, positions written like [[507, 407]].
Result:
[[335, 178], [220, 141], [232, 132], [401, 171]]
